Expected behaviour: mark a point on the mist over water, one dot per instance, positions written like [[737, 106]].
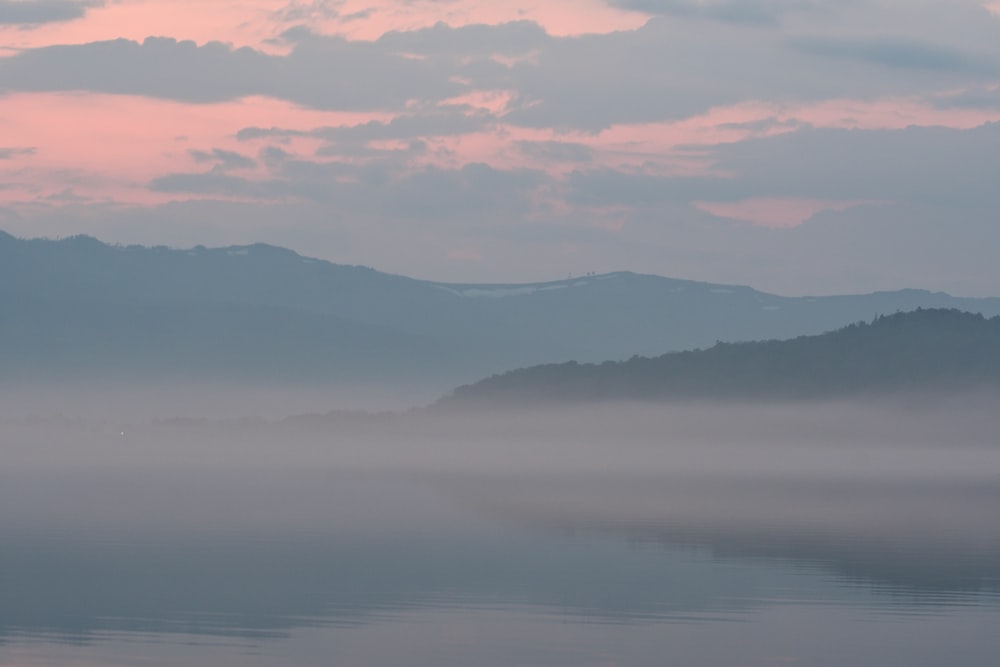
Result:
[[633, 534], [127, 401]]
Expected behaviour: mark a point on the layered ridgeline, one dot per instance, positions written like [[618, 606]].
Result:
[[81, 308], [927, 352]]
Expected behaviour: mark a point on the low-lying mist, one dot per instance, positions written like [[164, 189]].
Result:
[[127, 401], [895, 438], [900, 494]]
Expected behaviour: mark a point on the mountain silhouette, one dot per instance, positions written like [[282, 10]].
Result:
[[79, 307], [926, 351]]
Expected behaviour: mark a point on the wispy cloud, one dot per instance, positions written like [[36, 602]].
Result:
[[9, 153], [898, 53], [30, 13], [223, 160], [742, 12]]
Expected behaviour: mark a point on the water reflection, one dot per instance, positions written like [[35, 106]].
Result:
[[214, 580], [934, 540], [320, 552], [612, 550]]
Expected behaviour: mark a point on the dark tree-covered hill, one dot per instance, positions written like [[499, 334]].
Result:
[[924, 351]]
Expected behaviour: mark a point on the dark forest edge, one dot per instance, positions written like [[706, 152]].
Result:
[[919, 359], [932, 352]]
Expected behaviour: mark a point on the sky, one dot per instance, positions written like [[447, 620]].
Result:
[[797, 146]]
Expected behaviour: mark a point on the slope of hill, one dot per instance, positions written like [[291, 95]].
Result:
[[75, 305], [926, 351]]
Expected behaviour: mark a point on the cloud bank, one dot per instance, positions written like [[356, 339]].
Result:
[[794, 145]]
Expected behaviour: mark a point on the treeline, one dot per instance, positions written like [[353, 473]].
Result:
[[927, 351]]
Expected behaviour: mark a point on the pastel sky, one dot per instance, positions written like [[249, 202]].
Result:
[[798, 146]]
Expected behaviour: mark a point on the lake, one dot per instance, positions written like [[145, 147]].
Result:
[[820, 536]]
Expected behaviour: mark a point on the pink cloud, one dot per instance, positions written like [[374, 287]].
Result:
[[777, 212], [495, 102], [760, 119], [243, 24], [887, 114], [367, 20], [681, 147], [111, 146], [256, 22]]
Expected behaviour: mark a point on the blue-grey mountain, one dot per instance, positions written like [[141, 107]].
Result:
[[78, 307]]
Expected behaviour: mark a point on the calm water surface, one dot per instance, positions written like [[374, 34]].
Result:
[[838, 557]]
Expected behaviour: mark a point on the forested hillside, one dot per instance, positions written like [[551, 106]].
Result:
[[927, 351]]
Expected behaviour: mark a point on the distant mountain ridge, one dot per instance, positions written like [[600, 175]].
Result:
[[79, 307], [932, 351]]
